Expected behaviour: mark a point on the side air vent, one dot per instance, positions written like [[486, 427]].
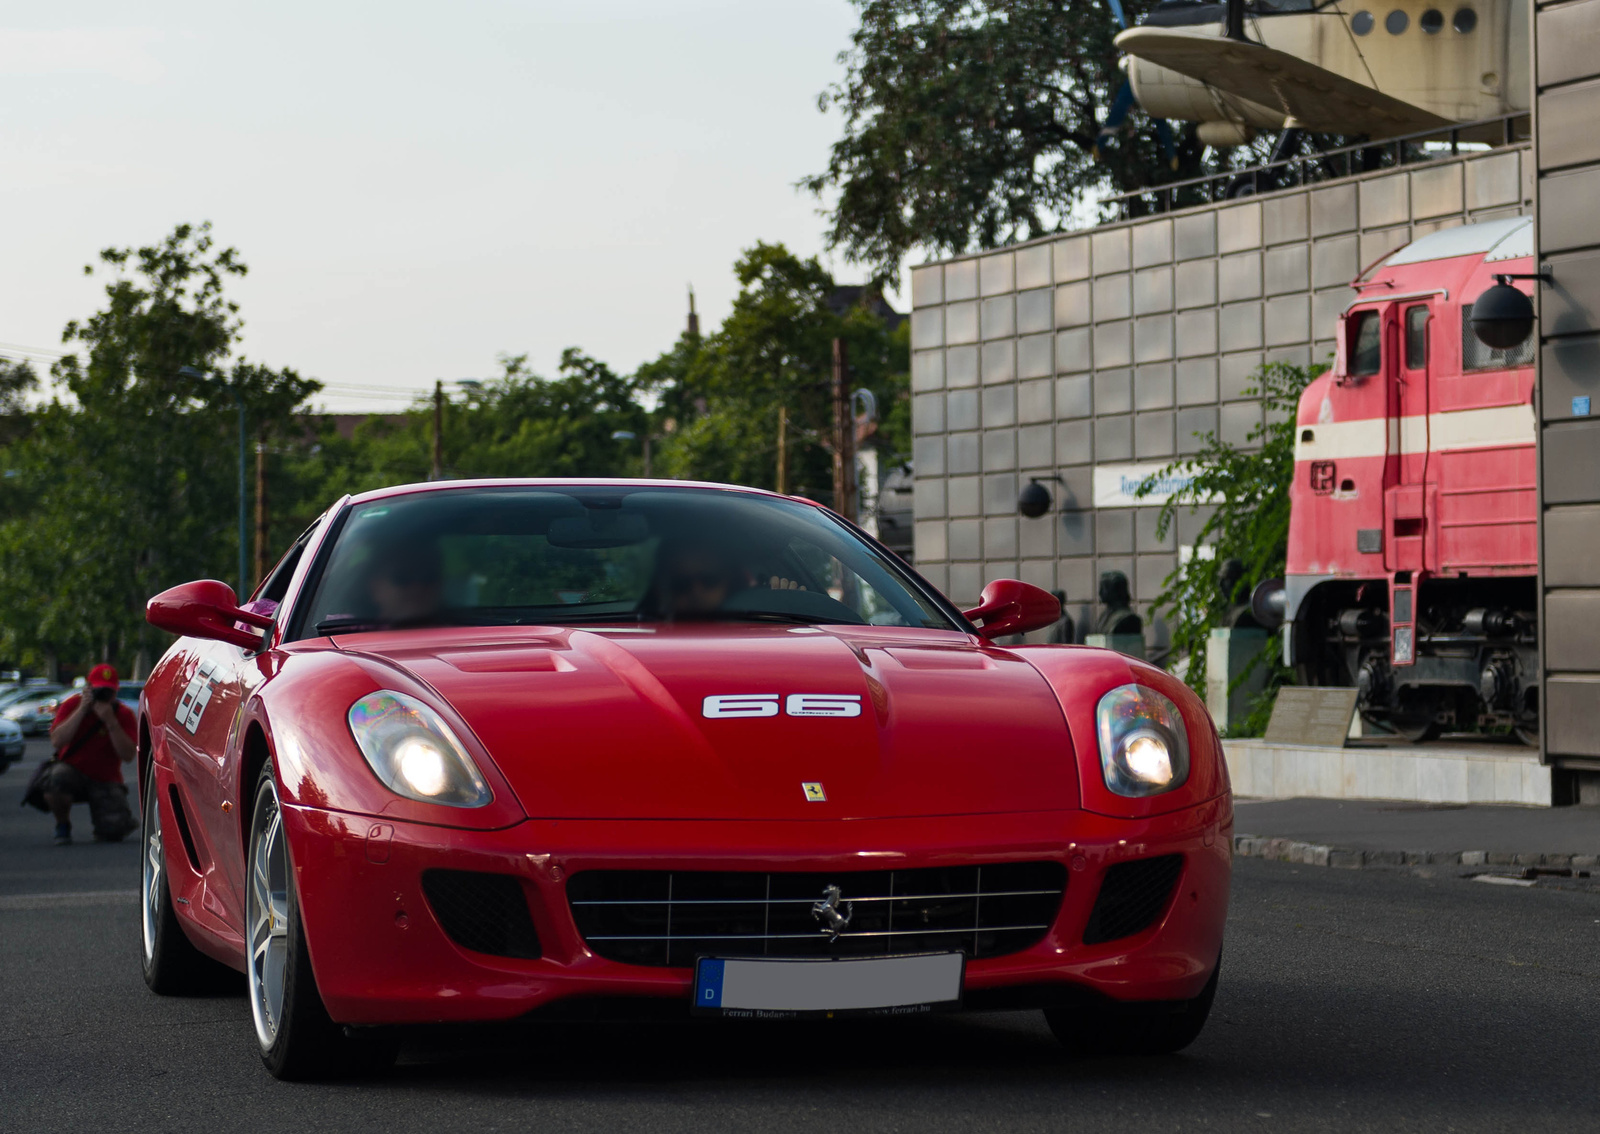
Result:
[[185, 835], [487, 913], [1132, 896]]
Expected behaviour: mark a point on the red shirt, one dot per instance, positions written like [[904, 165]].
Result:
[[95, 757]]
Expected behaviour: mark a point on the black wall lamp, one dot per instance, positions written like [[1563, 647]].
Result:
[[1034, 499], [1502, 316]]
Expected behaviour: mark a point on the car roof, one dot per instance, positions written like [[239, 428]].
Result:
[[562, 482]]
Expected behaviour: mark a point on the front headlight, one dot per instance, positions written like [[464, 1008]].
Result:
[[1144, 747], [414, 752]]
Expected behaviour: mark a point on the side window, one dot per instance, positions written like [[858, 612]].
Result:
[[1366, 343], [276, 584], [1416, 337]]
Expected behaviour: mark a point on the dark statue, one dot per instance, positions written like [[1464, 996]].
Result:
[[1116, 614]]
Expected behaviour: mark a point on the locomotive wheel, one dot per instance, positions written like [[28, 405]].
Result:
[[1413, 727]]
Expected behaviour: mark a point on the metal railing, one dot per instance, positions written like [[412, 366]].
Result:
[[1304, 169]]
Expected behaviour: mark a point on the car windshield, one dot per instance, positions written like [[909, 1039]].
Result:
[[29, 693], [605, 554]]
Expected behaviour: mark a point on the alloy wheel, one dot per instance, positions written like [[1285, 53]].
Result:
[[152, 868], [267, 914]]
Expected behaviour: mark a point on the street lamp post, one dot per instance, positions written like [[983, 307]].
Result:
[[630, 435], [244, 523]]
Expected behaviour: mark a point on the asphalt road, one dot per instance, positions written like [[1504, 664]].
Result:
[[1361, 1000]]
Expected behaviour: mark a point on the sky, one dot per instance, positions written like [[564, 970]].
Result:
[[416, 188]]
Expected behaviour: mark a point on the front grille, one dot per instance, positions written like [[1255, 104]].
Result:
[[656, 917], [487, 913], [1132, 896]]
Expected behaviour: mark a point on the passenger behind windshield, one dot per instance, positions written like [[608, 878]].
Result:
[[696, 578]]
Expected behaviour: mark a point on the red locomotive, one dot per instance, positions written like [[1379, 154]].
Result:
[[1413, 535]]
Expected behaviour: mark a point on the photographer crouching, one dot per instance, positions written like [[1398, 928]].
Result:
[[93, 736]]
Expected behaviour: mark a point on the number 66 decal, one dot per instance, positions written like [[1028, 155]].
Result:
[[794, 705]]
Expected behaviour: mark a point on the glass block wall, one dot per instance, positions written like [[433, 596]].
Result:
[[1098, 356]]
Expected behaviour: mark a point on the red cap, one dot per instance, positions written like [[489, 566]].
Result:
[[103, 677]]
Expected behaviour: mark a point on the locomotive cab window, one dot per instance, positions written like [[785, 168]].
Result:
[[1416, 337], [1366, 344]]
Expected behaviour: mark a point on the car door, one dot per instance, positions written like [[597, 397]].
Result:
[[201, 727], [238, 674]]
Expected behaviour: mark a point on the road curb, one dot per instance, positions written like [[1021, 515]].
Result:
[[1348, 858]]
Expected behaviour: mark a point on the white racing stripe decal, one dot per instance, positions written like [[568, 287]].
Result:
[[1494, 427]]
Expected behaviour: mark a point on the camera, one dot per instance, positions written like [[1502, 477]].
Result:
[[104, 693]]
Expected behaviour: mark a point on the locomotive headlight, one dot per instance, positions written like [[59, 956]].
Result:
[[414, 752], [1144, 747]]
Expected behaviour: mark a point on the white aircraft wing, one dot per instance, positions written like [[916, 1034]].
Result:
[[1318, 99]]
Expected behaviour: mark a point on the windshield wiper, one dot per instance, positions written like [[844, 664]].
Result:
[[773, 616], [345, 623], [355, 623]]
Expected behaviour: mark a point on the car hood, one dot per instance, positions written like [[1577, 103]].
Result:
[[615, 725]]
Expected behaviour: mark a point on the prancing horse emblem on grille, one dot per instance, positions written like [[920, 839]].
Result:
[[833, 912]]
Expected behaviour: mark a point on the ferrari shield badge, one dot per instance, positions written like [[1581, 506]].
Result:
[[814, 792]]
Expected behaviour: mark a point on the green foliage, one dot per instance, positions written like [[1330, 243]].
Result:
[[974, 122], [776, 349], [1246, 491], [129, 487]]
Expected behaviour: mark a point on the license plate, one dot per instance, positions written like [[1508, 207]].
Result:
[[781, 988]]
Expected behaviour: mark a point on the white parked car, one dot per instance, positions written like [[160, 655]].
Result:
[[11, 743]]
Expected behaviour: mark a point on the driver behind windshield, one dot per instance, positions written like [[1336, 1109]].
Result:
[[405, 581]]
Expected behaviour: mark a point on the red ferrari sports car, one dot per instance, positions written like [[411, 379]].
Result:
[[480, 750]]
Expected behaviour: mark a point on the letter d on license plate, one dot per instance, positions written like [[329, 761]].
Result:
[[778, 987]]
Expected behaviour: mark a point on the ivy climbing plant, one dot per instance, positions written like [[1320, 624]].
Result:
[[1243, 491]]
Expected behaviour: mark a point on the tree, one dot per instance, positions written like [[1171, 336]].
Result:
[[17, 381], [775, 350], [128, 484], [515, 425], [976, 122], [1246, 489]]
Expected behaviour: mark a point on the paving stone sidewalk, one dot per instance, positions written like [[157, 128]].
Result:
[[1356, 833]]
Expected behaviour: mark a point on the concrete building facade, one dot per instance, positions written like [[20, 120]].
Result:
[[1099, 356], [1567, 80]]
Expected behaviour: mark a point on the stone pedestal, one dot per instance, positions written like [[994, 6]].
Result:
[[1130, 644], [1228, 654]]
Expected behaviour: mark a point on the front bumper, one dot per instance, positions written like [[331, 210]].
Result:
[[381, 957]]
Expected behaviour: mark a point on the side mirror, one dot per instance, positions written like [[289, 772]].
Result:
[[205, 609], [1008, 606]]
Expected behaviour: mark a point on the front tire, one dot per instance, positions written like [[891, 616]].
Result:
[[298, 1039], [1134, 1029], [171, 964]]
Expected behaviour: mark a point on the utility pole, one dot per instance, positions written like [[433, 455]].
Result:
[[261, 511], [244, 528], [783, 450], [844, 438], [438, 432]]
